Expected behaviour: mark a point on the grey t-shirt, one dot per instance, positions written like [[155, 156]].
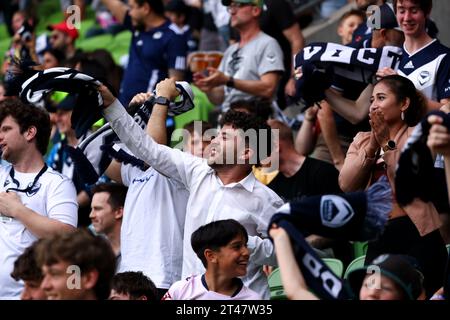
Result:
[[261, 55]]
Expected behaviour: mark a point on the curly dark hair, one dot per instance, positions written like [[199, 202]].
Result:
[[403, 88], [87, 251], [136, 284], [27, 115], [249, 123]]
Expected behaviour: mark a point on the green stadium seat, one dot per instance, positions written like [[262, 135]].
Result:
[[85, 26], [103, 41], [359, 248], [4, 46], [276, 286], [123, 38], [335, 265], [4, 32], [355, 264], [47, 20]]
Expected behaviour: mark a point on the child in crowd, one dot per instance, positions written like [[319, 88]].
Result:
[[222, 247], [348, 23], [132, 285]]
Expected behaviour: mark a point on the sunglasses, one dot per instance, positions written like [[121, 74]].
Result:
[[237, 5]]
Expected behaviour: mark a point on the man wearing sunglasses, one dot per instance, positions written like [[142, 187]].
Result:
[[251, 67]]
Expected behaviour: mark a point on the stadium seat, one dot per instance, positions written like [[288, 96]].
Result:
[[355, 264], [99, 42], [85, 26], [335, 265], [3, 32], [4, 46], [123, 37], [359, 249], [276, 286]]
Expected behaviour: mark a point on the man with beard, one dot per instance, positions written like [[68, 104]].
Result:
[[156, 51], [221, 186]]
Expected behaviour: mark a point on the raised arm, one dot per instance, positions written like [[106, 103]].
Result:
[[291, 276], [117, 8], [330, 135], [353, 111], [156, 129], [170, 162], [305, 140]]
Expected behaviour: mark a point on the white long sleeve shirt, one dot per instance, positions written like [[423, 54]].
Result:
[[247, 201]]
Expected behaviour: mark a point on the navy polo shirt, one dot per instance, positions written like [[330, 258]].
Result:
[[152, 53]]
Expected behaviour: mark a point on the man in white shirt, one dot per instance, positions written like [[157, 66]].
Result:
[[35, 201], [218, 189]]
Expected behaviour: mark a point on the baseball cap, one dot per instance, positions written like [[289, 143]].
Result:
[[258, 3], [63, 27], [399, 268], [387, 19]]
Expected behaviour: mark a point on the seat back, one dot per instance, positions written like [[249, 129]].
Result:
[[335, 265], [276, 286], [359, 249], [355, 264]]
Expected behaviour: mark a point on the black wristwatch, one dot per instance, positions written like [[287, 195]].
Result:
[[230, 82], [162, 101], [390, 145]]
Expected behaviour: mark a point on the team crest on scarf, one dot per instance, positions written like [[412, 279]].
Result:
[[335, 211]]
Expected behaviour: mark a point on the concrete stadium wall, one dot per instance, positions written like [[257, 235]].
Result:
[[326, 31]]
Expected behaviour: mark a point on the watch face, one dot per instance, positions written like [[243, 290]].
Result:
[[162, 100]]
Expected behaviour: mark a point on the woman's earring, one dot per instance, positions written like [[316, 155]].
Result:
[[402, 116]]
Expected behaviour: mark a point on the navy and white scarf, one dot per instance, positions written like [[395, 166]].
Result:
[[358, 216], [355, 64]]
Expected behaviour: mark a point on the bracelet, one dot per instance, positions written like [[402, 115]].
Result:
[[312, 119]]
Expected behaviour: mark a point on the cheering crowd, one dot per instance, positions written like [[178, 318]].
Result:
[[161, 179]]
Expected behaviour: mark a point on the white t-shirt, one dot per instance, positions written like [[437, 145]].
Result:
[[151, 236], [53, 196], [195, 288]]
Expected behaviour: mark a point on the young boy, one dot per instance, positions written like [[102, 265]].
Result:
[[132, 285], [76, 266], [348, 23], [222, 247], [27, 270]]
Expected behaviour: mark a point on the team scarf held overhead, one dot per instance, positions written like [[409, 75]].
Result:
[[88, 100], [321, 61], [94, 154], [356, 216]]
